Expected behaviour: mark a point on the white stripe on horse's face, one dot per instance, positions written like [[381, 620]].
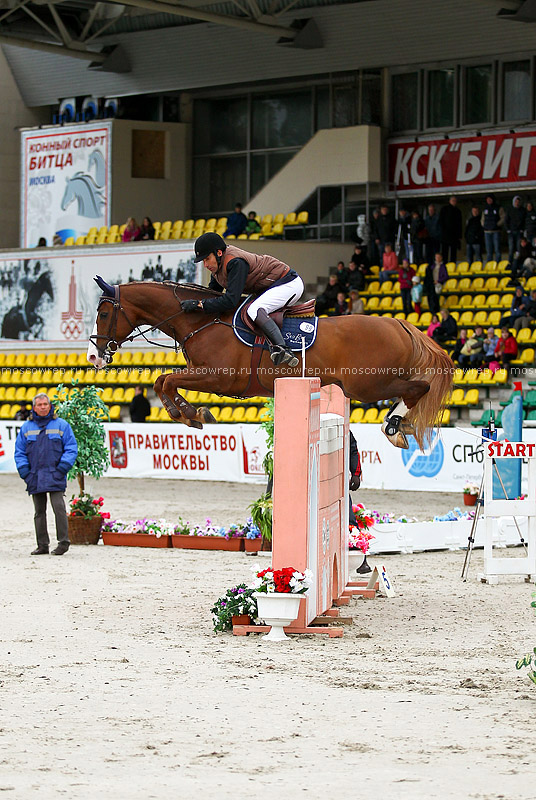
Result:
[[92, 353]]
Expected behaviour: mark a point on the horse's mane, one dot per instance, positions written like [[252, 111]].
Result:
[[189, 288]]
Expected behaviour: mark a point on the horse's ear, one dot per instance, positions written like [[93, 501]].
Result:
[[106, 288]]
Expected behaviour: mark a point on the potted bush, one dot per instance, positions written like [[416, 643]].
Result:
[[278, 593], [237, 607], [470, 494], [85, 412]]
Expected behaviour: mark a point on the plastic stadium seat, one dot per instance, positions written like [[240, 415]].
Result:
[[118, 395], [477, 284], [471, 376], [491, 284], [357, 414], [450, 285], [2, 393], [493, 301], [413, 318], [445, 417], [215, 411], [385, 303], [485, 418], [226, 414], [471, 398], [527, 356], [479, 300], [466, 319], [251, 414], [115, 412], [154, 414], [371, 415], [101, 238], [303, 218], [501, 376], [238, 414], [456, 398], [480, 318], [374, 287], [502, 266], [290, 219], [5, 411]]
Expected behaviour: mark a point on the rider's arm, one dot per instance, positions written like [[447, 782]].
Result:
[[214, 285], [237, 273]]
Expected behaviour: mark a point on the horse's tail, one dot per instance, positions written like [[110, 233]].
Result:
[[430, 363]]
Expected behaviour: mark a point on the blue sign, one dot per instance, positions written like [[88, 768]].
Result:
[[425, 464]]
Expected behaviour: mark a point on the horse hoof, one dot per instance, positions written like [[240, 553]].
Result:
[[207, 416], [398, 439], [193, 423]]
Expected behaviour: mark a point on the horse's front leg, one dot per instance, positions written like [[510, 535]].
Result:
[[181, 411]]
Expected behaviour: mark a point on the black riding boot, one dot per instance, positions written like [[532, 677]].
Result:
[[279, 352]]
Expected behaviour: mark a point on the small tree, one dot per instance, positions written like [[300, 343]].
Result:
[[85, 412]]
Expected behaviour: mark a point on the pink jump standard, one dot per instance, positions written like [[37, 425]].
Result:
[[310, 501]]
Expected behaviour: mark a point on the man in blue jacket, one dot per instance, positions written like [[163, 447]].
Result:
[[45, 451]]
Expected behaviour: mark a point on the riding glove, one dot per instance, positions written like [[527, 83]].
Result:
[[190, 305], [355, 483]]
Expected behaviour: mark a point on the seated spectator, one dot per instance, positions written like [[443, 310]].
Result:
[[42, 242], [448, 328], [132, 231], [528, 316], [24, 412], [342, 273], [405, 275], [146, 229], [389, 263], [472, 352], [236, 222], [252, 226], [328, 298], [357, 305], [518, 308], [524, 263], [506, 349], [460, 344], [341, 306], [140, 408], [489, 345], [361, 260], [432, 327], [355, 278], [416, 294], [57, 240]]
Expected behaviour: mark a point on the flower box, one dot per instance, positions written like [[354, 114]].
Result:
[[252, 545], [135, 539], [235, 544]]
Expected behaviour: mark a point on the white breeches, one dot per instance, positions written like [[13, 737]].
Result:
[[277, 297]]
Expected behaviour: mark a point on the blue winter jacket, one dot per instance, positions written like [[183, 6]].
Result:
[[45, 451]]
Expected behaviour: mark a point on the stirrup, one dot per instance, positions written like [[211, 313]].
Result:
[[280, 355], [392, 424]]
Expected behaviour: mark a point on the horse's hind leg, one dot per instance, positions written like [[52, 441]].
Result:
[[181, 411], [394, 426]]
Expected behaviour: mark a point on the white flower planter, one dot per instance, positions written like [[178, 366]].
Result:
[[355, 559], [277, 609]]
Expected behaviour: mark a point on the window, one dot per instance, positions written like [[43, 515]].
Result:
[[345, 102], [281, 120], [371, 97], [220, 126], [441, 98], [478, 94], [516, 90], [219, 183], [405, 101]]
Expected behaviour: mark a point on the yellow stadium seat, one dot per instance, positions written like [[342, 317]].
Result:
[[493, 300], [107, 394], [5, 411], [486, 376], [238, 414], [251, 414], [154, 414], [491, 284], [303, 218], [506, 300], [502, 266], [31, 391], [477, 284], [128, 396], [80, 240], [226, 414], [471, 397], [69, 241], [2, 393], [501, 376], [163, 415], [490, 266], [115, 412], [480, 318], [371, 415], [425, 319], [373, 304], [479, 300], [494, 318], [118, 395], [91, 239], [385, 303], [242, 236], [471, 376], [386, 287], [290, 219], [445, 417], [222, 221], [527, 356], [191, 396], [357, 414], [466, 318], [215, 411], [413, 318], [456, 398], [176, 233], [101, 238]]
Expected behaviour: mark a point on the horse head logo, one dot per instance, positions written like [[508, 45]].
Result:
[[82, 187], [96, 159]]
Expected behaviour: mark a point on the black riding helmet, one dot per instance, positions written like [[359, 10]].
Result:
[[208, 243]]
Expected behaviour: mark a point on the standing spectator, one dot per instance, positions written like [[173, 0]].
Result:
[[506, 348], [416, 294], [24, 412], [140, 407], [252, 226], [518, 308], [432, 327], [530, 223], [403, 233], [474, 236], [328, 298], [448, 328], [433, 233], [342, 274], [389, 263], [357, 305], [363, 231], [45, 451], [515, 225], [417, 237], [132, 231], [146, 229], [356, 278], [492, 221], [429, 289], [236, 222], [373, 252], [405, 276], [489, 345], [386, 228], [450, 221], [341, 306], [524, 263]]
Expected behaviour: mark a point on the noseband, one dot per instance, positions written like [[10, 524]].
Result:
[[111, 344]]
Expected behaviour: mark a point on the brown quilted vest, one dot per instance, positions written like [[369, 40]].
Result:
[[264, 271]]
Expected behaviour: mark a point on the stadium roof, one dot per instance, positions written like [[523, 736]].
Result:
[[76, 27]]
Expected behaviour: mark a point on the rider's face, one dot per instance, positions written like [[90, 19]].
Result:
[[210, 262]]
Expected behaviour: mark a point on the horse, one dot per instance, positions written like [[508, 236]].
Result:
[[96, 159], [25, 319], [370, 358], [82, 187]]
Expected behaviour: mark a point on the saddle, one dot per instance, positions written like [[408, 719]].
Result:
[[301, 310]]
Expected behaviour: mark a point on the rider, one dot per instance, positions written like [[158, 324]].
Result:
[[238, 271]]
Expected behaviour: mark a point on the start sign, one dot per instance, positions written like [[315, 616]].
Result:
[[507, 449]]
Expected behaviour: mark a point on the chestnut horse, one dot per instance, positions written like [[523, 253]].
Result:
[[370, 358]]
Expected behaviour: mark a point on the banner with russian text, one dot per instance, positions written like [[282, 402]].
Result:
[[462, 162], [65, 181]]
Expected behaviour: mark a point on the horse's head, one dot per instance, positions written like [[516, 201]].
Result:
[[68, 195], [111, 328]]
